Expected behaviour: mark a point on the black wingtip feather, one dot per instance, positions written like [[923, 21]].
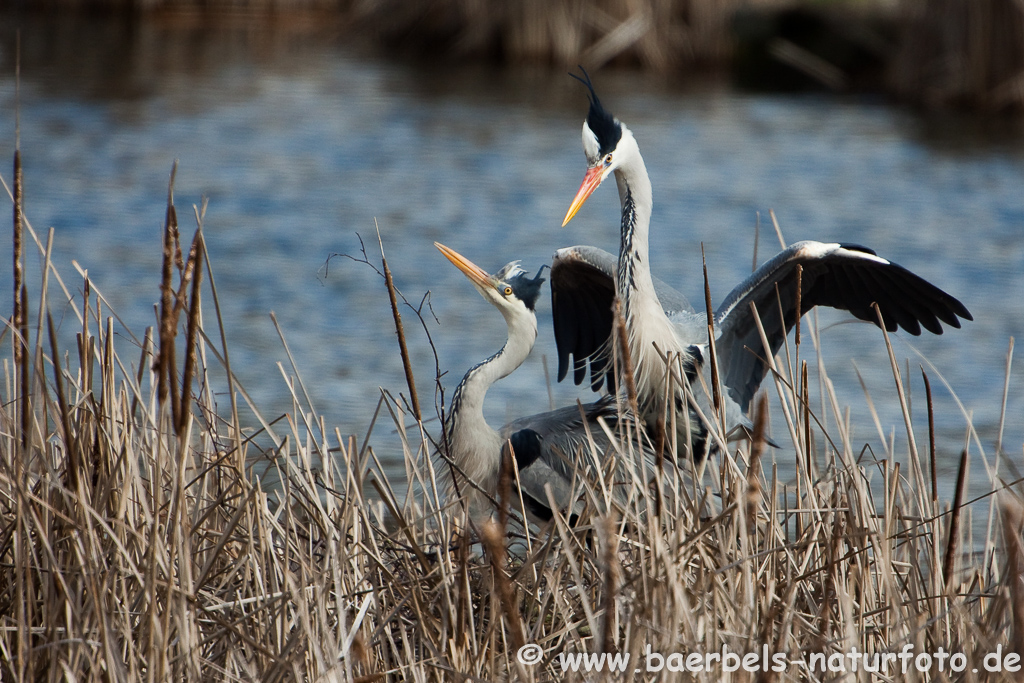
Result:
[[939, 304], [579, 371]]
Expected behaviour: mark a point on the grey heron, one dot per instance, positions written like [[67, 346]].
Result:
[[548, 447], [660, 323]]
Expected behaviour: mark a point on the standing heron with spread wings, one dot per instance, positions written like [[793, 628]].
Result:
[[663, 331]]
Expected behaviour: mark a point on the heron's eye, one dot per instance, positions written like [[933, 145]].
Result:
[[608, 159], [508, 291]]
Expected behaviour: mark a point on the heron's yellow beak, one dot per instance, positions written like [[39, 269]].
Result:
[[591, 181], [474, 272]]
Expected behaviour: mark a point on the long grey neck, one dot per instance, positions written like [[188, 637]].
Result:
[[466, 423], [634, 273]]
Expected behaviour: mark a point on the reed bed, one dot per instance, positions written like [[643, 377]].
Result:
[[935, 54], [136, 544], [658, 34], [961, 54]]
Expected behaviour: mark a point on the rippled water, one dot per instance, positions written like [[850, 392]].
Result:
[[300, 144]]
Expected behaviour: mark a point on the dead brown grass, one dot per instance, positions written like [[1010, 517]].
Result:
[[136, 545]]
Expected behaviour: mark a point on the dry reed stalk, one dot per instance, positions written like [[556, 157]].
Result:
[[625, 362], [168, 321], [798, 315], [609, 542], [1012, 517], [492, 536], [194, 257], [400, 331], [165, 558], [754, 473], [805, 401], [16, 461], [953, 542], [716, 392], [68, 434], [1006, 395], [931, 436], [19, 317]]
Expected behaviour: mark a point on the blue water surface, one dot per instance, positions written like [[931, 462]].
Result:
[[298, 145]]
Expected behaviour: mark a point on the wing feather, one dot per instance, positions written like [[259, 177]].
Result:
[[846, 277], [582, 295]]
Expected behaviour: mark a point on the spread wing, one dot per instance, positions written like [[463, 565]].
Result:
[[843, 276], [582, 292]]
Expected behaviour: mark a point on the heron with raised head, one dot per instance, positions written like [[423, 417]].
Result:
[[550, 449], [663, 330]]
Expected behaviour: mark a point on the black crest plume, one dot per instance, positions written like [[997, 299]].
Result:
[[527, 289], [599, 120]]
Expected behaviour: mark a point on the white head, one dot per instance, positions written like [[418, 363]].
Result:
[[509, 290], [607, 144]]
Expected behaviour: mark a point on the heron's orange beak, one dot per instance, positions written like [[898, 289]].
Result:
[[474, 272], [591, 181]]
